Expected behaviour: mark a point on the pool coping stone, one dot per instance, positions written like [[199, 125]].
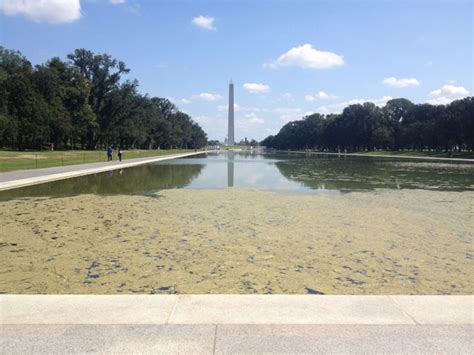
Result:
[[237, 309]]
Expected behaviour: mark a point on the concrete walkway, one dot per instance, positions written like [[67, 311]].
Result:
[[20, 178], [236, 323]]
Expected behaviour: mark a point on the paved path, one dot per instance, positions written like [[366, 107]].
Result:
[[236, 323], [231, 339], [454, 160], [20, 178]]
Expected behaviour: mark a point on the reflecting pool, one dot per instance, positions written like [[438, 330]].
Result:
[[245, 223]]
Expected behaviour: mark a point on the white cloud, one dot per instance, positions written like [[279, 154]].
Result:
[[328, 109], [323, 96], [117, 2], [254, 109], [205, 119], [337, 108], [237, 108], [288, 114], [222, 108], [450, 90], [256, 88], [249, 125], [320, 95], [400, 83], [307, 57], [205, 96], [442, 100], [205, 22], [215, 127], [184, 101], [179, 101], [446, 94], [285, 113], [253, 118], [49, 11], [287, 96]]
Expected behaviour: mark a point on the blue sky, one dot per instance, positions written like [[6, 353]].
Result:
[[286, 58]]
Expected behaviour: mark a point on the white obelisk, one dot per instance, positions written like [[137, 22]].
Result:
[[230, 129]]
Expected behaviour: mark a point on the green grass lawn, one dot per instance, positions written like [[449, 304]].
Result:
[[14, 160], [465, 155]]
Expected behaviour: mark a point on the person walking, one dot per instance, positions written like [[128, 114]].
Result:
[[120, 153], [110, 151]]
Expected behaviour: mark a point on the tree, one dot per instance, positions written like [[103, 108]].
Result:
[[395, 111], [400, 124], [85, 102], [358, 124], [104, 74], [268, 142], [459, 125], [213, 143], [15, 97], [65, 92]]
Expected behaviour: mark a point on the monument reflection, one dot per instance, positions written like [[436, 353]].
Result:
[[230, 169]]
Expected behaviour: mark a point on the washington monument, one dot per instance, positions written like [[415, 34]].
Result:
[[230, 129]]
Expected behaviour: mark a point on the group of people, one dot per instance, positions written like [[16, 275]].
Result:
[[110, 153]]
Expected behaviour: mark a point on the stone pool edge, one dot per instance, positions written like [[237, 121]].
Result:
[[81, 171], [236, 309]]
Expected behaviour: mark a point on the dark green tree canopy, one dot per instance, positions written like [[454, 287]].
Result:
[[400, 124], [85, 103]]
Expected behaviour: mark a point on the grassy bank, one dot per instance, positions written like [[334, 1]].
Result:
[[463, 155], [14, 160]]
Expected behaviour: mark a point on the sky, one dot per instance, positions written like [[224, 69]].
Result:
[[287, 59]]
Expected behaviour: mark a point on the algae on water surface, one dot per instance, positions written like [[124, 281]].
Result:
[[239, 241]]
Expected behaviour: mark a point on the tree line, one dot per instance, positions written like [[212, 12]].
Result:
[[400, 124], [84, 103]]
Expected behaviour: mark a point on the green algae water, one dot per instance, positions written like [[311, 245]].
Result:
[[245, 223]]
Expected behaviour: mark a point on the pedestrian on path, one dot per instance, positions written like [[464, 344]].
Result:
[[120, 153], [110, 151]]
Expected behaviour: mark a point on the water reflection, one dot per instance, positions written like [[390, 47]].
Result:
[[140, 180], [326, 174], [295, 173], [359, 173], [230, 169]]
